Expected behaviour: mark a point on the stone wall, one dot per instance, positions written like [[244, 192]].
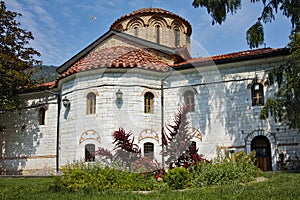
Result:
[[28, 148], [224, 116]]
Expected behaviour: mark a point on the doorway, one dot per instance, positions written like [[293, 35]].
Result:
[[262, 147]]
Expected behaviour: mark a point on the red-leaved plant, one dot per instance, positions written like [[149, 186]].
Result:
[[126, 155], [178, 144]]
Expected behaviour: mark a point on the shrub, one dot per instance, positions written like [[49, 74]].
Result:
[[81, 177], [177, 178], [233, 169]]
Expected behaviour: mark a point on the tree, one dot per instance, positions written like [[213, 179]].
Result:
[[218, 9], [16, 59], [285, 106]]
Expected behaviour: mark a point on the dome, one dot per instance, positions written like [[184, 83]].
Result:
[[151, 11], [156, 25]]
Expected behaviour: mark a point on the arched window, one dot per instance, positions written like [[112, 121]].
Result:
[[189, 100], [149, 150], [177, 37], [91, 103], [257, 93], [157, 29], [148, 102], [41, 116], [89, 153], [136, 31]]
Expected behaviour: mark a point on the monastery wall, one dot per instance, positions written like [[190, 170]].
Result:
[[81, 128], [224, 116], [28, 148]]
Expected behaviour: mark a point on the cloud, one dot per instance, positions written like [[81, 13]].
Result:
[[36, 19]]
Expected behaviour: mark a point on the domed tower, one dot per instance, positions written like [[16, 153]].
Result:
[[156, 25]]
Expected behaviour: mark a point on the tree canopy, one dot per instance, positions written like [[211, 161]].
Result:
[[16, 59], [285, 106], [219, 9]]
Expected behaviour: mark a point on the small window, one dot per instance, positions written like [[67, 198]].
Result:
[[148, 102], [91, 103], [189, 100], [257, 92], [136, 31], [149, 150], [177, 37], [157, 28], [193, 148], [89, 153], [41, 116]]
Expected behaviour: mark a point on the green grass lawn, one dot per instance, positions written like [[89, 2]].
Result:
[[277, 186]]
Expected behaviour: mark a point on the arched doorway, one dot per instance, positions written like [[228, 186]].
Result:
[[262, 147]]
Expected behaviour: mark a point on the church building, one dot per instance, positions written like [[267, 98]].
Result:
[[136, 76]]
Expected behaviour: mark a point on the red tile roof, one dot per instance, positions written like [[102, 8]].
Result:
[[237, 56], [160, 11], [117, 57], [130, 57]]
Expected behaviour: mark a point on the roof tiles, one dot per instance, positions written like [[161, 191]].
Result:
[[236, 56], [117, 57]]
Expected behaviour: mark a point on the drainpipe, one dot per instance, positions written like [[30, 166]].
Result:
[[57, 132], [58, 97]]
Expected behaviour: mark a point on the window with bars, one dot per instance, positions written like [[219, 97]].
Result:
[[91, 103], [257, 93], [189, 100], [148, 102], [149, 150], [89, 153]]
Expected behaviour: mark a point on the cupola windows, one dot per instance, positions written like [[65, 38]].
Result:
[[177, 37], [157, 29]]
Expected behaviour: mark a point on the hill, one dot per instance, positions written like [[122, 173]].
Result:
[[44, 73]]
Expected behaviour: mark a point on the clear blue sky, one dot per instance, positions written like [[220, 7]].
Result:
[[62, 28]]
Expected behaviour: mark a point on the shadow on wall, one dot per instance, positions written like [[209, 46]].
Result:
[[19, 139]]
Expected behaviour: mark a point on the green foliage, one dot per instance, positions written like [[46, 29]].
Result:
[[178, 178], [286, 104], [218, 9], [15, 58], [255, 37], [230, 169], [80, 177], [276, 186]]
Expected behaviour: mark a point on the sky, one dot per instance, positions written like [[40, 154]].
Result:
[[62, 28]]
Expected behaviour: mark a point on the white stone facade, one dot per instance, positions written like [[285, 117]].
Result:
[[224, 116]]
